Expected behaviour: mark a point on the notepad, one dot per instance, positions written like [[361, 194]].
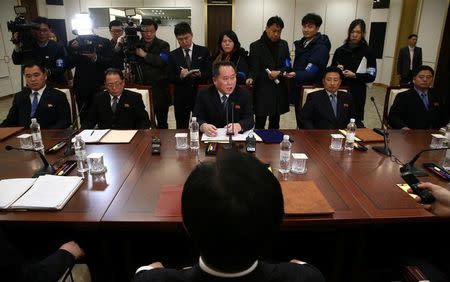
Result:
[[107, 136], [46, 192], [222, 136]]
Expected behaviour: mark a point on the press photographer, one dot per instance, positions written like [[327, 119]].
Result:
[[32, 43]]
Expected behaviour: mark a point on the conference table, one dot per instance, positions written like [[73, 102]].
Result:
[[360, 186]]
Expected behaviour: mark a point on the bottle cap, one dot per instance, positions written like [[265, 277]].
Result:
[[194, 119], [33, 120], [352, 120], [286, 137]]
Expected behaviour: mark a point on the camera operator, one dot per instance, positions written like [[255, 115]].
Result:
[[50, 54], [91, 55], [152, 57], [116, 31]]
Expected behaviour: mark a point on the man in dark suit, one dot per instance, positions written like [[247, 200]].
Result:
[[217, 105], [115, 107], [419, 107], [328, 108], [269, 68], [49, 106], [183, 61], [409, 60]]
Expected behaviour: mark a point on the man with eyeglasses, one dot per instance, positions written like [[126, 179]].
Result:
[[419, 107], [116, 31], [116, 107], [46, 52]]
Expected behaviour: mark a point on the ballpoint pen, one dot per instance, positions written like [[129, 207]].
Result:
[[92, 132]]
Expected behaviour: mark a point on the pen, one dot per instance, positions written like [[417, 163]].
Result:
[[92, 132]]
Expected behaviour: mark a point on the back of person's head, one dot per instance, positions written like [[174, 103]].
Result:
[[231, 209], [312, 18], [149, 22], [275, 20], [182, 28], [423, 68], [232, 35], [115, 23], [42, 20], [332, 69]]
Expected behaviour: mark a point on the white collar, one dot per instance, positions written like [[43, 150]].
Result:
[[329, 93], [40, 91], [217, 273], [221, 94], [112, 97]]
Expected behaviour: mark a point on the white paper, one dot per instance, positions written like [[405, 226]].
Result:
[[12, 189], [222, 136], [49, 192], [362, 68], [92, 135]]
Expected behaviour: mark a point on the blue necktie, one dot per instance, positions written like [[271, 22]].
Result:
[[224, 99], [424, 99], [333, 100], [34, 104]]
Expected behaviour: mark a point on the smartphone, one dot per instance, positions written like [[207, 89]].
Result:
[[66, 167], [438, 170], [156, 146], [425, 195]]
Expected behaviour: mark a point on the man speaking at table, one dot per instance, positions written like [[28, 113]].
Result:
[[223, 104]]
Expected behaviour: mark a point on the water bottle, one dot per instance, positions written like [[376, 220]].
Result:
[[193, 129], [36, 135], [80, 153], [350, 136], [447, 134], [285, 155]]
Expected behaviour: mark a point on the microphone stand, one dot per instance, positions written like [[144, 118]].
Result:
[[230, 134], [71, 130], [46, 169], [410, 167], [385, 150]]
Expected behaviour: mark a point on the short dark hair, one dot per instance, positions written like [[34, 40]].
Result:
[[412, 35], [332, 69], [115, 23], [424, 68], [231, 209], [149, 22], [275, 20], [109, 71], [353, 24], [216, 67], [31, 64], [232, 35], [312, 18], [42, 20], [182, 28]]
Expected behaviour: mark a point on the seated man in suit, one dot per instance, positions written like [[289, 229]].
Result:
[[419, 107], [49, 106], [328, 108], [232, 229], [223, 104], [116, 108]]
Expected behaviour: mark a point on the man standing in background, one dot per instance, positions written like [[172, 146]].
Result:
[[409, 60]]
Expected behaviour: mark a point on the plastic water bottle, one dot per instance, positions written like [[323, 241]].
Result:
[[285, 155], [194, 138], [447, 134], [36, 135], [350, 136], [80, 153]]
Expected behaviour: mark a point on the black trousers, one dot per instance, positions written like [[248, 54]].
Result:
[[161, 103], [274, 122], [406, 79]]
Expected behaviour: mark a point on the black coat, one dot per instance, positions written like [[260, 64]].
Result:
[[130, 112], [404, 60], [408, 110], [53, 110], [317, 113], [155, 64], [208, 108], [269, 98]]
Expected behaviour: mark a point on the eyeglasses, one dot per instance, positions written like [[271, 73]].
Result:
[[114, 84]]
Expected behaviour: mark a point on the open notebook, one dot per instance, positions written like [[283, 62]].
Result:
[[107, 136], [222, 136], [45, 192]]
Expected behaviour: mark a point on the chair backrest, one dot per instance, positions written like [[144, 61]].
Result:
[[72, 105], [307, 89], [391, 93], [146, 93]]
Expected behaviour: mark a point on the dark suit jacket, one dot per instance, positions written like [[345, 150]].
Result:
[[404, 60], [208, 108], [53, 110], [317, 113], [408, 110], [130, 112], [186, 89]]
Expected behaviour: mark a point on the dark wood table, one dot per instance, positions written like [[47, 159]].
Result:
[[90, 202]]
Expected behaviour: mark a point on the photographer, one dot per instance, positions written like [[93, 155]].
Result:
[[43, 50], [116, 31], [152, 56], [91, 55]]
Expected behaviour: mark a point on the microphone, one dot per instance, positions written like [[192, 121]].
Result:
[[418, 172], [230, 134], [384, 150], [46, 169], [69, 151]]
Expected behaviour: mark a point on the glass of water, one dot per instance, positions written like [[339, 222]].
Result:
[[437, 141], [26, 141], [299, 163], [182, 141], [96, 164], [336, 142]]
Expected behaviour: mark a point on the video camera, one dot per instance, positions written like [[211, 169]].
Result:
[[87, 43], [131, 38], [23, 29]]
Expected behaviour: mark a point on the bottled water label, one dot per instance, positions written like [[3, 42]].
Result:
[[81, 155], [194, 136], [350, 137], [285, 155]]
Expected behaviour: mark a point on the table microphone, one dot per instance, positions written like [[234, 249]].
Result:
[[418, 172], [46, 169], [384, 150], [230, 135]]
